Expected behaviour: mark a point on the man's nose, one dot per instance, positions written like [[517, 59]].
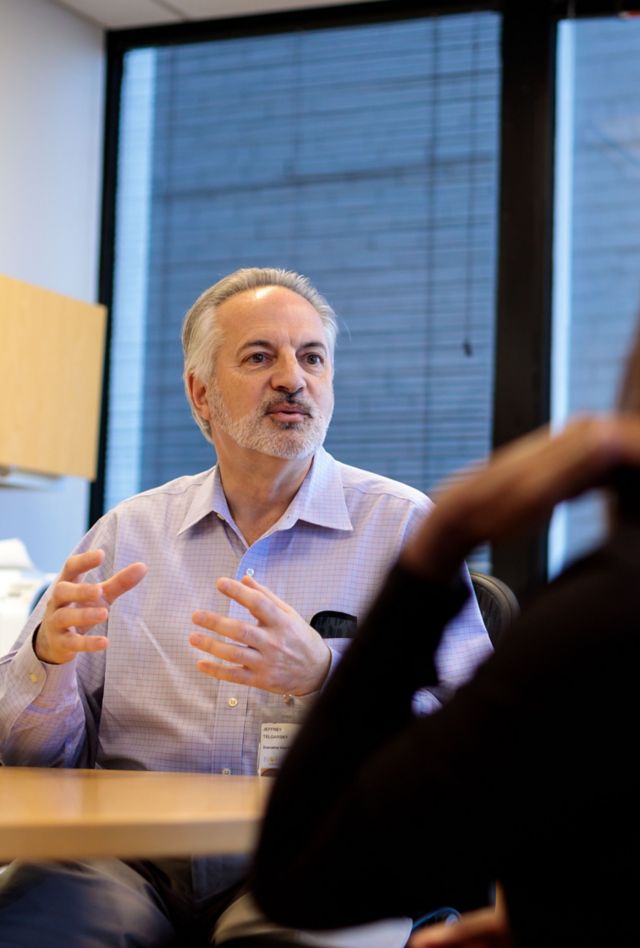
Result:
[[288, 375]]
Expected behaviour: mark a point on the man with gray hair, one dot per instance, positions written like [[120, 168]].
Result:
[[272, 555]]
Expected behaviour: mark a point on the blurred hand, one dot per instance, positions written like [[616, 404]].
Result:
[[75, 607], [486, 928], [519, 488], [281, 654]]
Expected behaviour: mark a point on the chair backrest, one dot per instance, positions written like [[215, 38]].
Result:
[[497, 602]]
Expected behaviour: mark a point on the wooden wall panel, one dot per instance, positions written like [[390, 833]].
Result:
[[51, 359]]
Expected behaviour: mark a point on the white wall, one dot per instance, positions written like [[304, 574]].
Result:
[[51, 116]]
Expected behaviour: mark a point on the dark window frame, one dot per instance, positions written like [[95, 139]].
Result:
[[523, 309]]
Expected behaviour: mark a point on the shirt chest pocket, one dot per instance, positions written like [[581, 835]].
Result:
[[334, 625]]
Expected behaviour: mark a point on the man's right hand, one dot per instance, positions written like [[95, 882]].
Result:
[[75, 607]]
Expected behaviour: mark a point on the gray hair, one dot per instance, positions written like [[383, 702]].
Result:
[[201, 334]]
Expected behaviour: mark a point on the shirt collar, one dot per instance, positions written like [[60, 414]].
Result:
[[204, 500], [320, 500]]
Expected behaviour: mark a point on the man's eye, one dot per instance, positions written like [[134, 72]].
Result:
[[314, 358], [256, 358]]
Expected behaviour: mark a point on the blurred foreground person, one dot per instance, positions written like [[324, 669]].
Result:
[[528, 775]]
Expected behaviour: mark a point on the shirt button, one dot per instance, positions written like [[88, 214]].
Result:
[[34, 678], [232, 702], [249, 571], [226, 771], [220, 516]]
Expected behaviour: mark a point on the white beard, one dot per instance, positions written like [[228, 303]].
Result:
[[259, 431]]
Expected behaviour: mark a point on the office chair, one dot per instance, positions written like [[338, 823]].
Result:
[[497, 602]]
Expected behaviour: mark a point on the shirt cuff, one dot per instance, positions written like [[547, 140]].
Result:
[[43, 680]]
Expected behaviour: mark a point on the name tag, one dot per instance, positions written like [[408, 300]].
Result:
[[275, 741]]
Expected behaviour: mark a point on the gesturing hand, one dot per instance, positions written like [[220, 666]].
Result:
[[281, 653], [75, 607], [519, 488], [486, 928]]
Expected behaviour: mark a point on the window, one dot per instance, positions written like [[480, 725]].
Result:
[[597, 280], [365, 157]]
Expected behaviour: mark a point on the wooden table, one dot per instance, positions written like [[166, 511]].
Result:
[[67, 814]]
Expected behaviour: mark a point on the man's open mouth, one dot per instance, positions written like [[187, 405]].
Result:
[[288, 412]]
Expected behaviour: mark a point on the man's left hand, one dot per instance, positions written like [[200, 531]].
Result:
[[281, 653]]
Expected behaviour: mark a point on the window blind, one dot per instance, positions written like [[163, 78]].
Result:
[[365, 157]]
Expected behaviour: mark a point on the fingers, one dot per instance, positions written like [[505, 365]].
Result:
[[520, 486], [579, 457], [258, 600], [56, 644], [79, 564], [69, 590], [241, 661], [74, 617], [124, 580], [233, 673], [242, 632], [75, 607], [69, 643], [485, 928], [224, 651], [254, 584], [64, 593], [282, 653]]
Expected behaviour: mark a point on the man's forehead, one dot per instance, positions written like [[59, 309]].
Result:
[[270, 314]]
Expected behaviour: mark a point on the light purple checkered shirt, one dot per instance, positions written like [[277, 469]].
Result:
[[142, 704]]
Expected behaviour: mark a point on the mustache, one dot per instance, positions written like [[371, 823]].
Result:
[[289, 399]]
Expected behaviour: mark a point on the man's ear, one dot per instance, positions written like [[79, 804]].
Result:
[[198, 391]]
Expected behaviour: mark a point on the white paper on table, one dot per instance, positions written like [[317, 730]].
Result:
[[20, 583], [14, 555]]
